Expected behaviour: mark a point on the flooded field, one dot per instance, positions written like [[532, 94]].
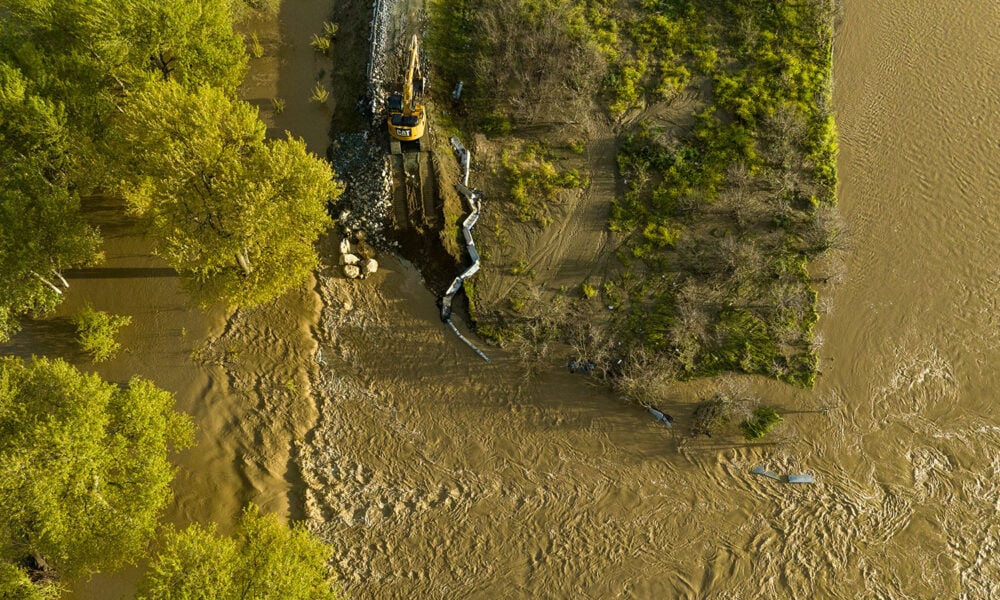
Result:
[[434, 475]]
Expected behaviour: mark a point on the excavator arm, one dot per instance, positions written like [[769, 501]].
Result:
[[412, 84]]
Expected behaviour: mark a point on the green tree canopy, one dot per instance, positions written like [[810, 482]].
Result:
[[88, 56], [84, 473], [41, 229], [16, 584], [234, 213], [91, 53], [265, 560]]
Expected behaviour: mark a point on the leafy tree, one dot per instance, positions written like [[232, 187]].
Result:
[[264, 560], [96, 332], [84, 473], [90, 53], [88, 56], [234, 213], [188, 41], [16, 584], [41, 230]]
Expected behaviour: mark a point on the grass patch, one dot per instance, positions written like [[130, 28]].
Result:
[[255, 47], [534, 181], [320, 43]]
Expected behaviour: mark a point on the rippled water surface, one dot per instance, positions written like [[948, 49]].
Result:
[[435, 476], [437, 487]]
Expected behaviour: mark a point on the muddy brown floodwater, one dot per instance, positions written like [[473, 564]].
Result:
[[436, 476]]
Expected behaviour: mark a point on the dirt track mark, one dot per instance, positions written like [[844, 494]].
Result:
[[577, 246]]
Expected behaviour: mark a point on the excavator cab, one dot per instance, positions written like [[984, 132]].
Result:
[[395, 103]]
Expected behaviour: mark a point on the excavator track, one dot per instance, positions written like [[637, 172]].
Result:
[[414, 192]]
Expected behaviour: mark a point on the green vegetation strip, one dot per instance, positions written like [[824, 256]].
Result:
[[724, 203], [727, 213]]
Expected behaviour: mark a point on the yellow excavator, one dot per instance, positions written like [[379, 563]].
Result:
[[407, 116]]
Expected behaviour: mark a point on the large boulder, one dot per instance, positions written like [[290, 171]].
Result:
[[369, 266], [345, 246], [349, 259], [352, 271], [363, 248]]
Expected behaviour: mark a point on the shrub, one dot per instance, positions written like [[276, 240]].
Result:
[[589, 291], [522, 268], [495, 124], [96, 332], [763, 420], [624, 86], [319, 94], [534, 180], [712, 415], [320, 44]]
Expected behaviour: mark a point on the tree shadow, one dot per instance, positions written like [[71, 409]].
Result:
[[54, 338], [109, 215], [119, 273]]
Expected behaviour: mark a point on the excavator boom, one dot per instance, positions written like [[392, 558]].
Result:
[[414, 69]]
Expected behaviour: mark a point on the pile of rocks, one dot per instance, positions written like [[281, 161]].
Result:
[[379, 48], [357, 259], [365, 204]]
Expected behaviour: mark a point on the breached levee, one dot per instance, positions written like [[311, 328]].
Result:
[[359, 158], [475, 203], [378, 50], [381, 26]]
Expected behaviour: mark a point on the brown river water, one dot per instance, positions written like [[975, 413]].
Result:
[[434, 475]]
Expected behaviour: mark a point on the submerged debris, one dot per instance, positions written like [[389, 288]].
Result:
[[798, 478], [662, 417]]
